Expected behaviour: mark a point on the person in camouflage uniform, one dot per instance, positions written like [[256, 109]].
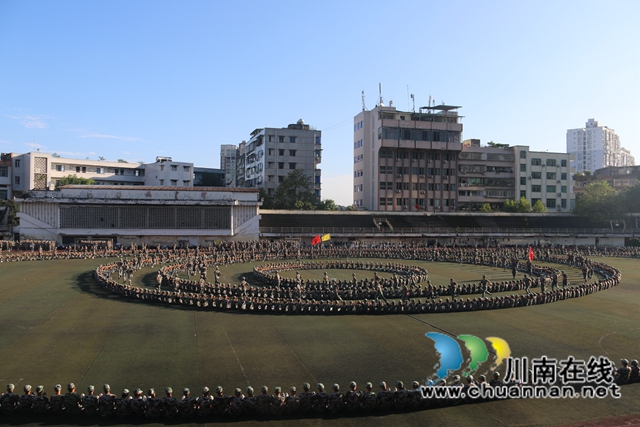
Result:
[[400, 397], [89, 402], [220, 402], [415, 397], [336, 400], [352, 398], [169, 404], [278, 402], [107, 402], [249, 404], [123, 405], [263, 402], [368, 399], [41, 402], [320, 400], [154, 405], [187, 404], [236, 404], [137, 404], [9, 401], [634, 377], [623, 373], [27, 400], [72, 400], [384, 399], [292, 401], [56, 402], [306, 398], [204, 403]]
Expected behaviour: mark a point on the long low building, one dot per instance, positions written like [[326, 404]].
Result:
[[139, 214]]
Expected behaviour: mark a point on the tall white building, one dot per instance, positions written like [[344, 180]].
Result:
[[272, 153], [228, 154], [595, 147]]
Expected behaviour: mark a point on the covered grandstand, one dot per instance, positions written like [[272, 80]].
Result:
[[446, 228]]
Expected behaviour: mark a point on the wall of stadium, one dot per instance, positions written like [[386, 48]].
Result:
[[151, 215]]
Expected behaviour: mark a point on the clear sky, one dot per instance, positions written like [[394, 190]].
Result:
[[137, 79]]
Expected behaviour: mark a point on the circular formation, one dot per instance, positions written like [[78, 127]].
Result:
[[403, 293]]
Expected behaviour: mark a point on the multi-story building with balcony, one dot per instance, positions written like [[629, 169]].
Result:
[[228, 155], [406, 161], [595, 147], [271, 154]]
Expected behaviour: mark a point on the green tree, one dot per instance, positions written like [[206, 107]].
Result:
[[598, 202], [74, 180], [629, 199], [327, 205], [295, 192], [14, 208], [539, 207], [521, 206], [485, 208]]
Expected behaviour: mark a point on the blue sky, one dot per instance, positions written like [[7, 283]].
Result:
[[138, 79]]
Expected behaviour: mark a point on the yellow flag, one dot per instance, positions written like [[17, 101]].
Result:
[[326, 237]]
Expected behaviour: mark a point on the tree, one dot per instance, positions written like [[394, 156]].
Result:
[[122, 161], [539, 207], [56, 155], [598, 202], [295, 192], [485, 208], [327, 205], [521, 206], [74, 180], [14, 208], [100, 158], [629, 199]]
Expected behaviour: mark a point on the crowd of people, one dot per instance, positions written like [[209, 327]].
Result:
[[249, 404], [404, 292]]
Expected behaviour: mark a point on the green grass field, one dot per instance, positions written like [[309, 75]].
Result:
[[58, 326]]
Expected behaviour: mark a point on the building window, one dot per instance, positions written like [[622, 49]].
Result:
[[536, 162], [280, 178], [161, 168], [523, 154], [551, 175], [174, 182], [536, 175], [523, 180], [280, 138], [270, 138], [563, 176], [318, 140], [292, 165], [563, 188], [186, 168], [551, 203], [551, 188], [186, 183], [292, 139], [523, 193], [138, 172], [383, 201], [4, 171], [563, 163], [281, 152], [292, 153], [161, 182], [16, 180], [551, 162], [536, 188], [174, 168], [523, 167], [16, 163], [280, 165]]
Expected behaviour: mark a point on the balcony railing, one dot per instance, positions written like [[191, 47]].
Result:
[[446, 231]]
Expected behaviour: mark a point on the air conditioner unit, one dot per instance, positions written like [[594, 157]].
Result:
[[398, 160], [398, 191], [529, 177], [429, 161], [558, 181], [422, 192], [446, 161], [413, 160], [421, 176], [559, 194], [398, 176], [431, 176]]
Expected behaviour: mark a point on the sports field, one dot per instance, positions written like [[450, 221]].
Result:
[[58, 326]]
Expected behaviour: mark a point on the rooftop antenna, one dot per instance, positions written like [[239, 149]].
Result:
[[363, 107], [380, 94], [413, 98]]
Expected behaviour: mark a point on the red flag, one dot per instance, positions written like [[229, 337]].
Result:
[[530, 253], [316, 240]]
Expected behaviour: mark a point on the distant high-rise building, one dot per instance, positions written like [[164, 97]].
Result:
[[595, 147], [228, 154]]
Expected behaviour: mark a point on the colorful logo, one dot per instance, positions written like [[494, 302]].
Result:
[[451, 353]]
